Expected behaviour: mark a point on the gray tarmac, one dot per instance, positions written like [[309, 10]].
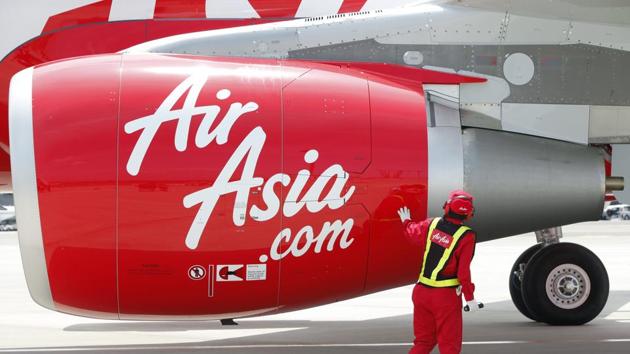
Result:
[[377, 323]]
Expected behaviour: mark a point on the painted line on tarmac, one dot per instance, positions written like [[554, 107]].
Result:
[[497, 342], [252, 346], [268, 346]]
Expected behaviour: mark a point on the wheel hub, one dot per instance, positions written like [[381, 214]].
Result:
[[568, 286]]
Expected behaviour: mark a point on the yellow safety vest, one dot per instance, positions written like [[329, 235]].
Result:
[[446, 252]]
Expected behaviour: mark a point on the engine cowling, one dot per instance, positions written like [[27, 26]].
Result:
[[186, 187], [157, 186]]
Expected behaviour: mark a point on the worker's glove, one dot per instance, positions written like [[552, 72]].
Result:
[[404, 214], [473, 306]]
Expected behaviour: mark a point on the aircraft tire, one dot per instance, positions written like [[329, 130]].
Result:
[[565, 284], [515, 284]]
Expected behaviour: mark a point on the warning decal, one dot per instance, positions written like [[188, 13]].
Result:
[[256, 272], [230, 272], [196, 272]]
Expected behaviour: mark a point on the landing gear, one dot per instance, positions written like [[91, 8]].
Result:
[[565, 284], [559, 283], [516, 280]]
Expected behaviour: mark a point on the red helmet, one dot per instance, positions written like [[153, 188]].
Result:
[[460, 203]]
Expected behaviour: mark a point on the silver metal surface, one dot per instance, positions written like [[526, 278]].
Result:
[[614, 184], [568, 63], [279, 38], [565, 74], [549, 236], [621, 167], [555, 121], [443, 99], [567, 70], [25, 188], [609, 125], [601, 11], [524, 183], [568, 286], [445, 166], [445, 147]]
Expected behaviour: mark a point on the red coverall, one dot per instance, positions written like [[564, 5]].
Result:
[[437, 313]]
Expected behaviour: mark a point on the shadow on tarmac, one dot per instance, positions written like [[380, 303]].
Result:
[[495, 314], [499, 328]]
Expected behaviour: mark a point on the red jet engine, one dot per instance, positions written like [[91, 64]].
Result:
[[162, 186]]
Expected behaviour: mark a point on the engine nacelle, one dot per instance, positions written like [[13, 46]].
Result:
[[157, 186], [525, 183], [152, 186]]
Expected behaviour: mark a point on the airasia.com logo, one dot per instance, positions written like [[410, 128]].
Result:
[[246, 154]]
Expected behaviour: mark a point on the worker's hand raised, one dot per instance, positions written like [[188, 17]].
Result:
[[404, 214]]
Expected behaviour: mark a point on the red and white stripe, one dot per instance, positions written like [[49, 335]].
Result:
[[55, 15], [123, 10]]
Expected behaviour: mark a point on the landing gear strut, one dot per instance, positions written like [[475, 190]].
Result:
[[516, 280], [558, 283]]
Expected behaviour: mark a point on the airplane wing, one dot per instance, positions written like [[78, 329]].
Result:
[[553, 69], [615, 12], [568, 74]]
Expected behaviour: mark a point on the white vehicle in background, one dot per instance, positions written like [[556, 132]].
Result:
[[624, 213], [616, 211], [8, 224], [7, 212]]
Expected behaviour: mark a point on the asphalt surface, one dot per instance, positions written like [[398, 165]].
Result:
[[377, 323]]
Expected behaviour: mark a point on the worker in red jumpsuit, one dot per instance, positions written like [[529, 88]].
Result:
[[447, 248]]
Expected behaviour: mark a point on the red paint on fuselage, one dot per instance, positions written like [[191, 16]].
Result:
[[91, 13], [276, 8], [180, 9], [351, 5]]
